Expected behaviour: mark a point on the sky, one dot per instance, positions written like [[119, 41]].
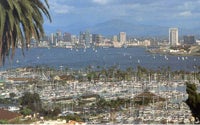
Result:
[[83, 13]]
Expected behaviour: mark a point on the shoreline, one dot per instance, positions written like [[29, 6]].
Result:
[[194, 51], [174, 54]]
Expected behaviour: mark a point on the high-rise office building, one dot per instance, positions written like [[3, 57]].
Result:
[[74, 39], [67, 37], [52, 38], [122, 37], [189, 39], [59, 36], [85, 38], [97, 38], [114, 39], [173, 36]]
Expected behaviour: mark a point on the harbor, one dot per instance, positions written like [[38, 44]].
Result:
[[74, 96]]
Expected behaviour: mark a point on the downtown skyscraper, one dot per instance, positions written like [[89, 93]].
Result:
[[122, 37], [173, 36]]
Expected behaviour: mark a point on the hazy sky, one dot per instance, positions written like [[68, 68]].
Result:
[[176, 13]]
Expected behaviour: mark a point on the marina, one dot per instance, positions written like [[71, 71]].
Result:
[[69, 94], [99, 62]]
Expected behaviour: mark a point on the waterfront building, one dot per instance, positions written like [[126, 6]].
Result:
[[114, 39], [122, 37], [173, 36], [97, 38], [59, 35], [85, 38], [67, 37], [52, 39], [145, 43], [198, 42], [189, 39], [33, 42], [74, 39], [44, 42]]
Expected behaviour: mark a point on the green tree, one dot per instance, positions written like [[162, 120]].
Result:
[[19, 21], [73, 117], [31, 101], [129, 73], [12, 95], [51, 112], [26, 111], [193, 100], [56, 111]]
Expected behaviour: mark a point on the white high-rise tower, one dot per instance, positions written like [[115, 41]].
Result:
[[173, 36], [122, 37]]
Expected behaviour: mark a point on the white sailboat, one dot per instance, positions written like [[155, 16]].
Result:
[[186, 57], [84, 50], [17, 61]]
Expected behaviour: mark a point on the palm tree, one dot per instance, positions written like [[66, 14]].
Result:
[[193, 100], [19, 21]]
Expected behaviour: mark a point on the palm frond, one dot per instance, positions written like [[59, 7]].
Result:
[[19, 21]]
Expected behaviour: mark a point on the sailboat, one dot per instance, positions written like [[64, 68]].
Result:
[[84, 50], [186, 57], [166, 57], [17, 61]]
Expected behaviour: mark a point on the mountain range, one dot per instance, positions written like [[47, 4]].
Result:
[[113, 27]]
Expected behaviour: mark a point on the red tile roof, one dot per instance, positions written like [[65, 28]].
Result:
[[7, 115]]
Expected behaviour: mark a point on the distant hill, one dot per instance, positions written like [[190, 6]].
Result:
[[113, 27]]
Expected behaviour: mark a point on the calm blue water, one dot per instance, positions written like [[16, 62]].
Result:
[[104, 57]]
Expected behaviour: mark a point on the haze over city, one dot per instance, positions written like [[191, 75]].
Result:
[[156, 16]]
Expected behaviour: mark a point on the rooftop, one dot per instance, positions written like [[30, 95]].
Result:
[[8, 115]]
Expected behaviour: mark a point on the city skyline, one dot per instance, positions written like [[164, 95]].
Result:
[[85, 14]]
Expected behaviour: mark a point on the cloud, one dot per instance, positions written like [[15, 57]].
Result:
[[63, 9], [185, 13], [102, 2], [60, 7], [150, 12]]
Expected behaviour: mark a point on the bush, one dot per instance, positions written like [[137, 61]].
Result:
[[26, 111], [3, 122], [73, 117]]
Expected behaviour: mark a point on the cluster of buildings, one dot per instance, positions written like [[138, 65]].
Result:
[[86, 40], [174, 38]]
